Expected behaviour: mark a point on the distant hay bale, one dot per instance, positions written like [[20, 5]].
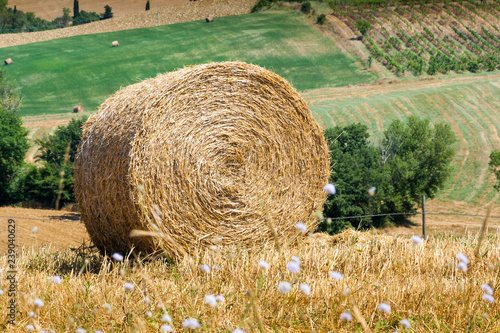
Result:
[[203, 156], [114, 43], [8, 61], [78, 109], [210, 18]]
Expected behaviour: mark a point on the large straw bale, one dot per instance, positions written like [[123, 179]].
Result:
[[8, 61], [115, 43], [207, 155], [78, 109]]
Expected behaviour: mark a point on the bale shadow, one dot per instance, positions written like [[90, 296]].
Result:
[[66, 217]]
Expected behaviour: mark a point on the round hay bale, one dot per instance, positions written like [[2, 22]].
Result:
[[114, 43], [8, 61], [210, 18], [220, 153], [78, 109]]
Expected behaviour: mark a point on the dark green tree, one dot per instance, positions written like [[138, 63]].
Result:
[[494, 165], [148, 6], [41, 183], [363, 26], [107, 13], [321, 19], [305, 7], [76, 9]]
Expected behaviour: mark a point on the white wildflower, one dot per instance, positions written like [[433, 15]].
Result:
[[166, 318], [330, 189], [293, 267], [301, 227], [385, 307], [462, 266], [306, 289], [488, 298], [220, 298], [346, 291], [205, 268], [346, 316], [296, 259], [210, 300], [336, 275], [30, 327], [32, 314], [463, 258], [372, 190], [1, 292], [191, 323], [96, 331], [80, 330], [56, 279], [238, 330], [117, 256], [34, 230], [416, 239], [285, 287], [166, 328], [406, 323], [128, 286], [149, 314], [263, 264], [487, 288], [38, 302]]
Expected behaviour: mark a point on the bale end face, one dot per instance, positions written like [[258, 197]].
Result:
[[114, 43], [78, 109], [8, 61], [210, 18]]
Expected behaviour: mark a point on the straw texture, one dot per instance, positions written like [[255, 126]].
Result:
[[206, 155]]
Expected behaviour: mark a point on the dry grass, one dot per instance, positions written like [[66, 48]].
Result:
[[420, 283]]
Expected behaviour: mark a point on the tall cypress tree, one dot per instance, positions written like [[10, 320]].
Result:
[[147, 5], [76, 9]]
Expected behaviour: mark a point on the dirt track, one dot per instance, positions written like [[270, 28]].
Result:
[[180, 11]]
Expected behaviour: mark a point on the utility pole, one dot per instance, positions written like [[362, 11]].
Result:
[[424, 234]]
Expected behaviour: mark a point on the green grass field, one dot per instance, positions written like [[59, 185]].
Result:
[[470, 104], [57, 75]]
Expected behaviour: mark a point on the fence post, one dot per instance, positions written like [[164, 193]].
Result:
[[423, 217]]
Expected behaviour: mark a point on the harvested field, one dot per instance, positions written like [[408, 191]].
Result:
[[179, 12]]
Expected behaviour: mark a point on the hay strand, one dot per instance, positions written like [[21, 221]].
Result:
[[203, 156]]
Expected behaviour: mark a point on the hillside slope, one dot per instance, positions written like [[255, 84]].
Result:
[[176, 11]]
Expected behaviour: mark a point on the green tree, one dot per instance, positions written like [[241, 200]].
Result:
[[417, 157], [494, 165], [305, 7], [107, 13], [321, 19], [76, 9], [147, 5], [41, 183], [363, 26]]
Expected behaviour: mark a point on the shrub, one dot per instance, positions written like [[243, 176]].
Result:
[[321, 19], [305, 7], [262, 4]]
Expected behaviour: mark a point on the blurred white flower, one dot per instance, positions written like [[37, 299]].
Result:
[[406, 323], [293, 267], [296, 259], [166, 318], [285, 287], [32, 314], [30, 327], [306, 289], [372, 190], [210, 300], [34, 230], [166, 328], [385, 307], [56, 279], [238, 330], [346, 316], [263, 264], [38, 302], [462, 266], [149, 314], [107, 306], [1, 292], [336, 275], [488, 298], [416, 239], [463, 258], [487, 288], [128, 286], [96, 331], [346, 291], [330, 189], [220, 298], [117, 256], [205, 268], [191, 323], [301, 227], [80, 330]]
